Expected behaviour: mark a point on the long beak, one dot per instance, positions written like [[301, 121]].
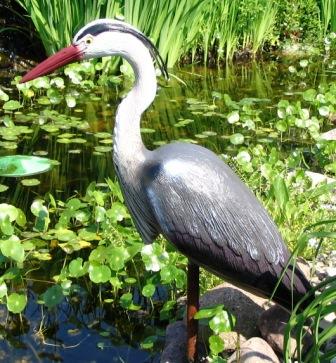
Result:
[[61, 58]]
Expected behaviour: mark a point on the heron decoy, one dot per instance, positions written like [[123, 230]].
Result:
[[182, 191]]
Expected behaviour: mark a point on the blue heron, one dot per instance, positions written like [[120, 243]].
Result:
[[182, 191]]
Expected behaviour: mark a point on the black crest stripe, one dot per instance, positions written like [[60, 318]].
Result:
[[103, 27]]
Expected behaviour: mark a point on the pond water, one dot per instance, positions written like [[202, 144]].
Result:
[[195, 111], [198, 105]]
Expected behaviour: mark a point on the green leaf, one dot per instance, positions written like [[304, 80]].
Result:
[[243, 157], [37, 207], [76, 267], [65, 235], [309, 95], [281, 125], [154, 257], [118, 257], [280, 192], [99, 273], [6, 226], [233, 117], [30, 182], [11, 105], [167, 308], [74, 204], [148, 343], [216, 344], [324, 111], [209, 312], [237, 139], [7, 210], [3, 96], [3, 188], [16, 303], [70, 101], [167, 274], [12, 248], [126, 300], [148, 290], [53, 296], [3, 290], [99, 214], [117, 212], [221, 322]]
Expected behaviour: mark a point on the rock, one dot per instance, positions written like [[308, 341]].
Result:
[[318, 178], [272, 325], [328, 320], [176, 344], [331, 344], [329, 135], [305, 268], [245, 306], [331, 271], [254, 350], [231, 339]]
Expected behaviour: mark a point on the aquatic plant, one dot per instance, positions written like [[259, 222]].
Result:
[[310, 319], [328, 16], [215, 29], [57, 21]]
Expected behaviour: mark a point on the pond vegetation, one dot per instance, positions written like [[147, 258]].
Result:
[[76, 279], [84, 228]]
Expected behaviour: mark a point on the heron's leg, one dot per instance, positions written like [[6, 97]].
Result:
[[192, 308]]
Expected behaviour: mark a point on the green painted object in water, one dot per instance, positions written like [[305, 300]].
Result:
[[23, 165]]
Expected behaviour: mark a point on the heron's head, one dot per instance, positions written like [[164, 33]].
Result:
[[99, 38]]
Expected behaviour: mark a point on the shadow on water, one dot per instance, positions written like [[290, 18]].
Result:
[[81, 328]]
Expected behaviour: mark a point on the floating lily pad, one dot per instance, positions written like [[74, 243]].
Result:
[[40, 153], [75, 151], [23, 165], [11, 105], [3, 188], [102, 135], [30, 182], [64, 140], [106, 141], [145, 130], [103, 149]]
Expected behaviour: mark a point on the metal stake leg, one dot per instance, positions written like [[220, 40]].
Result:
[[192, 308]]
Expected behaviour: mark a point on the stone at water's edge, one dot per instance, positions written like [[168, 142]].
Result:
[[245, 306], [254, 350], [329, 135], [176, 344], [318, 178], [272, 325]]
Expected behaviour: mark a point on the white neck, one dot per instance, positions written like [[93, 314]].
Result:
[[127, 137]]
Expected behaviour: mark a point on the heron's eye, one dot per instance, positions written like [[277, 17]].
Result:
[[88, 40]]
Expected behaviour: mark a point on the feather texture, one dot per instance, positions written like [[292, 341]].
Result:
[[206, 211]]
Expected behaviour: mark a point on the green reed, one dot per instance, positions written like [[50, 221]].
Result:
[[328, 15], [310, 319], [171, 25], [56, 21], [214, 30]]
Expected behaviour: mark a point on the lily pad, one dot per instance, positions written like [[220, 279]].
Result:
[[22, 165], [11, 105], [30, 182]]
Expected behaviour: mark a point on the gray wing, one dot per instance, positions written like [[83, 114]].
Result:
[[205, 210]]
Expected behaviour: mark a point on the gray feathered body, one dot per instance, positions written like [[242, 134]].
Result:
[[189, 195]]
